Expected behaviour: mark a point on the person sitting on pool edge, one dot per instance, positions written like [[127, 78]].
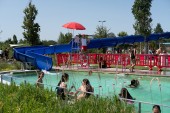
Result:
[[126, 95], [134, 83]]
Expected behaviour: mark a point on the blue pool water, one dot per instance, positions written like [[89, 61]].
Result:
[[109, 84]]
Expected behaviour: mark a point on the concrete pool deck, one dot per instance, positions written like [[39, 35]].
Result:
[[102, 70], [118, 70], [17, 71]]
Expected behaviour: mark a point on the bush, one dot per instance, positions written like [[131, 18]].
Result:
[[6, 66], [28, 99]]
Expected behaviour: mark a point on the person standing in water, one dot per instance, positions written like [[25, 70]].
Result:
[[62, 91], [126, 95], [40, 80], [156, 109], [85, 90], [134, 83]]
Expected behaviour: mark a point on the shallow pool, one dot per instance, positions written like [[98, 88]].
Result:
[[109, 84]]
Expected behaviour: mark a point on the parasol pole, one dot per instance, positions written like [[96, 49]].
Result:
[[73, 33]]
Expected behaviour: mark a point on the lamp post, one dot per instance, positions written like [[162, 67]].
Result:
[[102, 33], [102, 22]]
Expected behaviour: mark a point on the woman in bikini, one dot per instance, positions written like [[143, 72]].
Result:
[[85, 90]]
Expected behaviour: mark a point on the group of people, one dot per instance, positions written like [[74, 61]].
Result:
[[159, 51], [156, 52], [4, 54], [84, 91], [124, 93], [82, 40]]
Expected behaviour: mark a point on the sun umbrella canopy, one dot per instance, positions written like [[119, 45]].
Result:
[[74, 25]]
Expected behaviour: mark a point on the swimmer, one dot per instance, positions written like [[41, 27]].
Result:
[[125, 94], [40, 80], [156, 109], [134, 83], [90, 72]]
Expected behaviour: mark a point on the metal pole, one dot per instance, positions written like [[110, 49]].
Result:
[[140, 48], [102, 23], [11, 79], [25, 82], [139, 107]]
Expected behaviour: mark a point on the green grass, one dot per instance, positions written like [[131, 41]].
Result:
[[28, 99]]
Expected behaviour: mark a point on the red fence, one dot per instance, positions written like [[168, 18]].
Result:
[[160, 61]]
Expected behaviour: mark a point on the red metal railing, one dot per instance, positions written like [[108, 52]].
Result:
[[160, 61]]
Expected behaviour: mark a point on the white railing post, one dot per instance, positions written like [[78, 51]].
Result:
[[1, 79]]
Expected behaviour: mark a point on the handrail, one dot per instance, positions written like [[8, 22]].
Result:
[[145, 102]]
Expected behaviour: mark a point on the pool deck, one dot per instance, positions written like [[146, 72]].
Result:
[[102, 70], [17, 71], [118, 70]]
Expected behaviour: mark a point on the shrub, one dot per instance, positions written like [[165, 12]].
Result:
[[27, 98]]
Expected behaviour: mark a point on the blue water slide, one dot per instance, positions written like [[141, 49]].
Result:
[[36, 55]]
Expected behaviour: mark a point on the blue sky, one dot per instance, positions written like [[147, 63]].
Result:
[[55, 13]]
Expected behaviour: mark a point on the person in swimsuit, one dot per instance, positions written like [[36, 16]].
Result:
[[126, 95], [62, 91], [40, 80], [133, 59], [156, 109], [85, 90], [134, 83]]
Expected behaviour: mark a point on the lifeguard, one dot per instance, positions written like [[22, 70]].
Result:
[[83, 43]]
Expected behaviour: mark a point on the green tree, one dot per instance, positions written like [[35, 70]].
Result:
[[48, 42], [111, 34], [103, 32], [122, 33], [15, 41], [122, 46], [8, 41], [142, 15], [31, 29], [158, 28], [64, 38], [21, 41]]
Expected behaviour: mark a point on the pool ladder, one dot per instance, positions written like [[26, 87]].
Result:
[[159, 84]]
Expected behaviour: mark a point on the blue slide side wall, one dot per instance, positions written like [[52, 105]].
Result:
[[37, 54]]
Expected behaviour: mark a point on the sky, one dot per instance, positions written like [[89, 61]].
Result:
[[52, 14]]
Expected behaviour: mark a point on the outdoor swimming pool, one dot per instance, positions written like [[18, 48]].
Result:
[[109, 84]]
